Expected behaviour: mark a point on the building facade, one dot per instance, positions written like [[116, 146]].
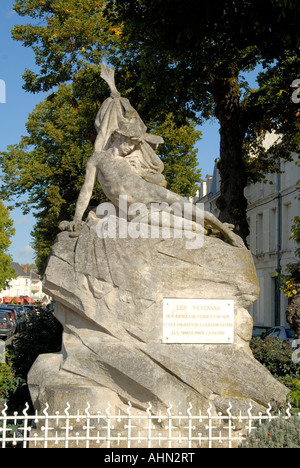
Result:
[[27, 284], [272, 206]]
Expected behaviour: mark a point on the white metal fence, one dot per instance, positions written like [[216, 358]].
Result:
[[129, 429]]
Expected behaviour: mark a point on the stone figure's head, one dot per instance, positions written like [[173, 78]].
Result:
[[128, 138]]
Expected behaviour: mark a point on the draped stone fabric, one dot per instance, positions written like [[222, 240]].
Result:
[[117, 112]]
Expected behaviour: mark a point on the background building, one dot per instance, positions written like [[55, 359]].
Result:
[[272, 206], [27, 284]]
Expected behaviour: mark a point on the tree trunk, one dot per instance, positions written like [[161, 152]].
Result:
[[232, 202]]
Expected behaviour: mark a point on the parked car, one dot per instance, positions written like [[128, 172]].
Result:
[[286, 335], [11, 309], [22, 313], [23, 316], [29, 309], [16, 311], [7, 324], [258, 332]]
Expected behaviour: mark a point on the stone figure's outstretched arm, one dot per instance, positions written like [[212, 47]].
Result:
[[213, 224], [84, 197], [86, 191]]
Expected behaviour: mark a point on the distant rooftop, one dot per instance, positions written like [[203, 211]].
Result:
[[22, 271]]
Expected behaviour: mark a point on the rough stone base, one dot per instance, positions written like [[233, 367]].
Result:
[[109, 298], [198, 376]]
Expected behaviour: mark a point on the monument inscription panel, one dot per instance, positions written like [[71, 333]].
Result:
[[198, 321]]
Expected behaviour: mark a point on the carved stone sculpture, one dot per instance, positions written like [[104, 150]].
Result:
[[125, 164], [109, 292]]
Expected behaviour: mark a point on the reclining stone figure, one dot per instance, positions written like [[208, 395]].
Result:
[[125, 164]]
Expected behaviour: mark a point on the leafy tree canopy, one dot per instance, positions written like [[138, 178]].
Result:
[[202, 51], [6, 232]]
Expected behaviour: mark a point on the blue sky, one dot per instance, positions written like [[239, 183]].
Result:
[[14, 59]]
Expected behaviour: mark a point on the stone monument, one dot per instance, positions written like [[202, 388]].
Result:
[[151, 291]]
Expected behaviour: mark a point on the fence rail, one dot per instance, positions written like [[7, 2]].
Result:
[[130, 428]]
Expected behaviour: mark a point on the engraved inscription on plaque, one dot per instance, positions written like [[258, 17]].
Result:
[[199, 321]]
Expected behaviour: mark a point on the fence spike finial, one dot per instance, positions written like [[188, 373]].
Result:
[[45, 412], [229, 410], [269, 411], [67, 409], [3, 412], [88, 406], [288, 410], [26, 409], [148, 410], [108, 408], [250, 410], [129, 408]]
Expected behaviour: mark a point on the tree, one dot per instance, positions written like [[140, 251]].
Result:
[[65, 36], [6, 232], [196, 53]]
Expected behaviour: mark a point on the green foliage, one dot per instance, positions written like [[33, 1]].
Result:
[[65, 35], [278, 433], [42, 334], [276, 356], [287, 282], [272, 101], [296, 233], [9, 383], [6, 232], [290, 289], [294, 385], [178, 155]]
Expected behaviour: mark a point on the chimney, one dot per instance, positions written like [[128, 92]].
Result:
[[25, 268]]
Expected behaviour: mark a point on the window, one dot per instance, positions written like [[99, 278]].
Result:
[[273, 230], [259, 234], [286, 226]]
